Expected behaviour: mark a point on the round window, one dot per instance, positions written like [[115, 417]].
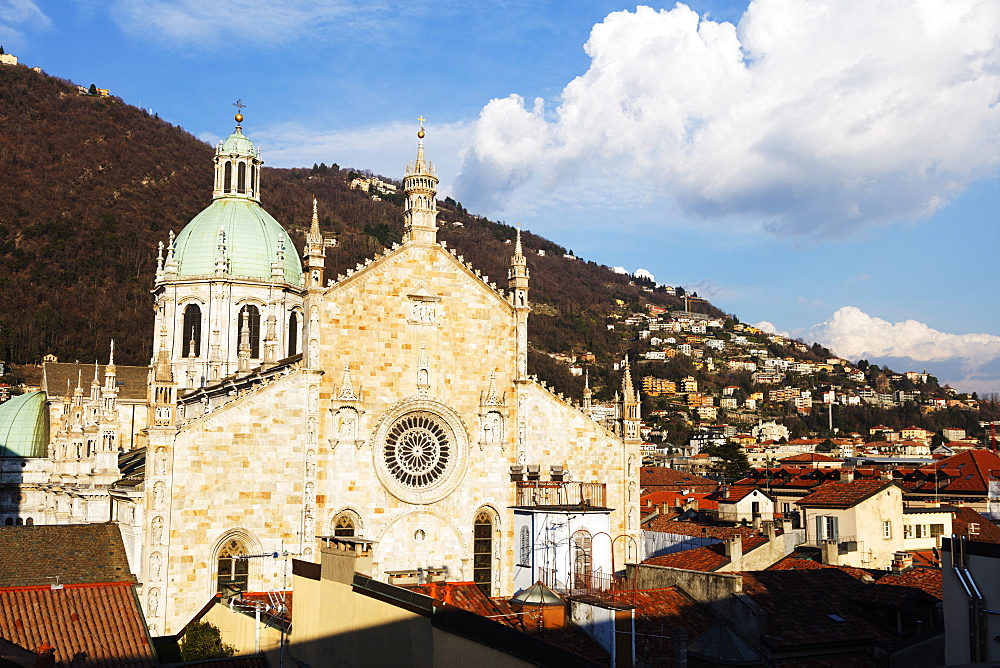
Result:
[[421, 450], [417, 449]]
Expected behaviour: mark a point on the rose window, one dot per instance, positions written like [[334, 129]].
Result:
[[418, 449]]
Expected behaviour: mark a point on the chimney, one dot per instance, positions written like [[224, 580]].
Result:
[[901, 562], [829, 553], [786, 525], [886, 475], [734, 550], [769, 530], [725, 491], [664, 508], [847, 475], [46, 656]]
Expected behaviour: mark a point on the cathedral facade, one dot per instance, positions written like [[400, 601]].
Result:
[[392, 405]]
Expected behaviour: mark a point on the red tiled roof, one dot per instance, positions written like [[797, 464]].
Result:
[[984, 531], [264, 598], [813, 607], [810, 457], [842, 494], [735, 493], [656, 478], [464, 595], [793, 563], [708, 559], [697, 529], [926, 579], [670, 607], [100, 621]]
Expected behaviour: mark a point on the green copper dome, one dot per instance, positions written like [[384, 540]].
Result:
[[24, 426], [237, 143], [252, 240]]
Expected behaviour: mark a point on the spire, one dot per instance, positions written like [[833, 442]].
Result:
[[170, 264], [420, 185], [347, 392], [517, 281], [159, 261], [314, 252], [628, 409], [221, 265], [243, 354], [588, 395], [163, 372]]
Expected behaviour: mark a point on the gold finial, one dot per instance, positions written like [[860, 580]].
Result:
[[420, 134], [239, 109]]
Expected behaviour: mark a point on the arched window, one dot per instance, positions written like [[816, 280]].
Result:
[[344, 526], [9, 521], [581, 560], [20, 521], [233, 574], [293, 334], [30, 522], [482, 552], [525, 541], [253, 324], [241, 178], [253, 180], [227, 179], [192, 330]]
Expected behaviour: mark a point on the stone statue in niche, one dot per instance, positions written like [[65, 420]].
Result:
[[159, 491], [157, 531], [154, 602], [347, 424], [161, 461], [311, 430], [310, 463], [313, 398], [155, 566]]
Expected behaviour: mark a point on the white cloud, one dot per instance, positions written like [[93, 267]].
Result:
[[853, 334], [218, 25], [18, 16], [620, 270], [812, 117], [643, 273], [771, 328]]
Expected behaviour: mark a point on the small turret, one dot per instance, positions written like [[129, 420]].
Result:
[[420, 185], [517, 281]]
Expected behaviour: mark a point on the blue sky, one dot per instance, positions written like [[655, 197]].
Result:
[[828, 167]]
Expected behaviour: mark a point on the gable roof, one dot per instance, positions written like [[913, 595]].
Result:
[[983, 530], [843, 494], [654, 477], [73, 553], [926, 579], [697, 529], [101, 622], [709, 558], [810, 457]]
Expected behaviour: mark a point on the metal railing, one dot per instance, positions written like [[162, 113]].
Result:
[[566, 493], [605, 586]]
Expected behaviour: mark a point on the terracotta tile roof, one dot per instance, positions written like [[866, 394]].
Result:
[[735, 493], [75, 553], [842, 494], [810, 457], [464, 595], [101, 622], [982, 529], [697, 529], [708, 558], [657, 610], [925, 579], [658, 478], [811, 607], [283, 598], [795, 563]]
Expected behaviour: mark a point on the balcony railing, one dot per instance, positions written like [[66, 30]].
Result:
[[600, 585], [567, 493]]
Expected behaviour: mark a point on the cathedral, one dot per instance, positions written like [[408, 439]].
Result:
[[391, 405]]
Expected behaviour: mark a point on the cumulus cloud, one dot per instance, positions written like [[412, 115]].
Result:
[[18, 16], [771, 328], [620, 270], [209, 25], [853, 334], [813, 117], [643, 273]]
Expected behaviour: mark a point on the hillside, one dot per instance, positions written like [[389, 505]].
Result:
[[92, 184]]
